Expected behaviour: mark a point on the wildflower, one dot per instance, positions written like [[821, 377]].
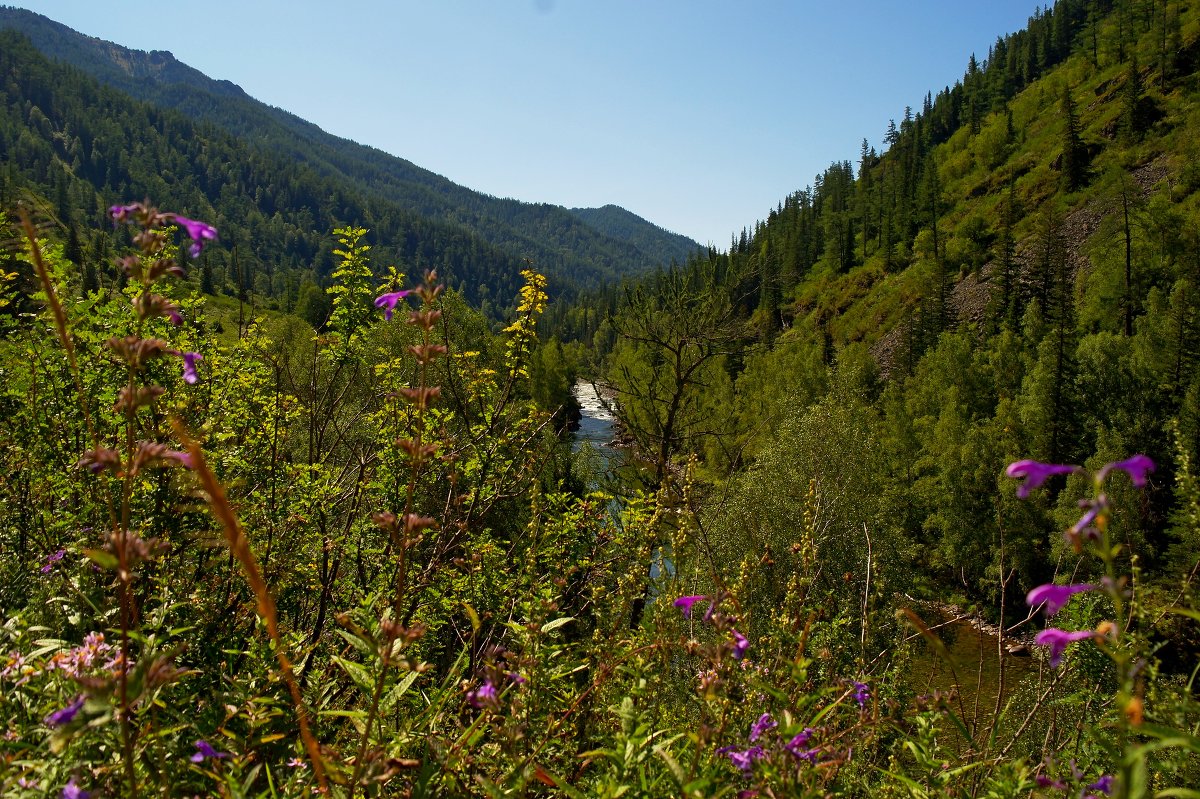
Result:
[[120, 212], [16, 668], [189, 366], [65, 715], [483, 696], [199, 231], [73, 791], [516, 678], [204, 751], [182, 457], [389, 300], [861, 693], [25, 782], [1045, 782], [296, 762], [52, 559], [685, 603], [1035, 474], [1054, 597], [764, 723], [799, 741], [745, 759], [740, 645], [1057, 640], [1093, 508], [1103, 785], [1136, 467]]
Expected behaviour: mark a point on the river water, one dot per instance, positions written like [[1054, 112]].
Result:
[[595, 456]]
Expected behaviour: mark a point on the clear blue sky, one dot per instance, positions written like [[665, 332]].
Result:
[[698, 115]]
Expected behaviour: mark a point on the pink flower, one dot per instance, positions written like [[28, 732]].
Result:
[[388, 302], [1136, 467], [1058, 639], [1054, 597], [182, 457], [685, 603], [1035, 473]]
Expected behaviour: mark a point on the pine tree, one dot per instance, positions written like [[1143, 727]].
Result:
[[1074, 154], [1132, 101]]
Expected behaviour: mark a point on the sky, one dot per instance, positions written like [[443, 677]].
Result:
[[700, 116]]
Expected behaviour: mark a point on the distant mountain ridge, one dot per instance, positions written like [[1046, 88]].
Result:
[[577, 247]]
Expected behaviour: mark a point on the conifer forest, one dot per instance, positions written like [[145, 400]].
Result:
[[898, 495]]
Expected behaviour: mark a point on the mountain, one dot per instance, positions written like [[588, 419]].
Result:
[[574, 249], [613, 220], [1016, 276]]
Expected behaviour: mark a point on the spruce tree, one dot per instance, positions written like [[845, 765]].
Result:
[[1074, 154]]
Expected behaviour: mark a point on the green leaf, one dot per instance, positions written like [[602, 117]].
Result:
[[550, 626], [473, 616], [400, 690], [102, 558], [358, 673], [1194, 615]]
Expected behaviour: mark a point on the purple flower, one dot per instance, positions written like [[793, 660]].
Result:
[[516, 678], [388, 302], [685, 603], [1045, 782], [1093, 508], [483, 696], [1136, 467], [1035, 474], [740, 645], [764, 723], [120, 212], [861, 693], [1057, 640], [199, 231], [52, 559], [745, 760], [73, 791], [1103, 785], [1055, 596], [189, 366], [799, 741], [204, 751], [64, 715]]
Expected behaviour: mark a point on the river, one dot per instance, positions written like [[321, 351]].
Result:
[[596, 457]]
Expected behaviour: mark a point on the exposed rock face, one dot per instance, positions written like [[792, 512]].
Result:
[[971, 295]]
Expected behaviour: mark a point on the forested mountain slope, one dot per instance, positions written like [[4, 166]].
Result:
[[438, 212], [1016, 275]]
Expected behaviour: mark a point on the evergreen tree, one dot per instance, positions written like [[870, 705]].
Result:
[[1074, 154]]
